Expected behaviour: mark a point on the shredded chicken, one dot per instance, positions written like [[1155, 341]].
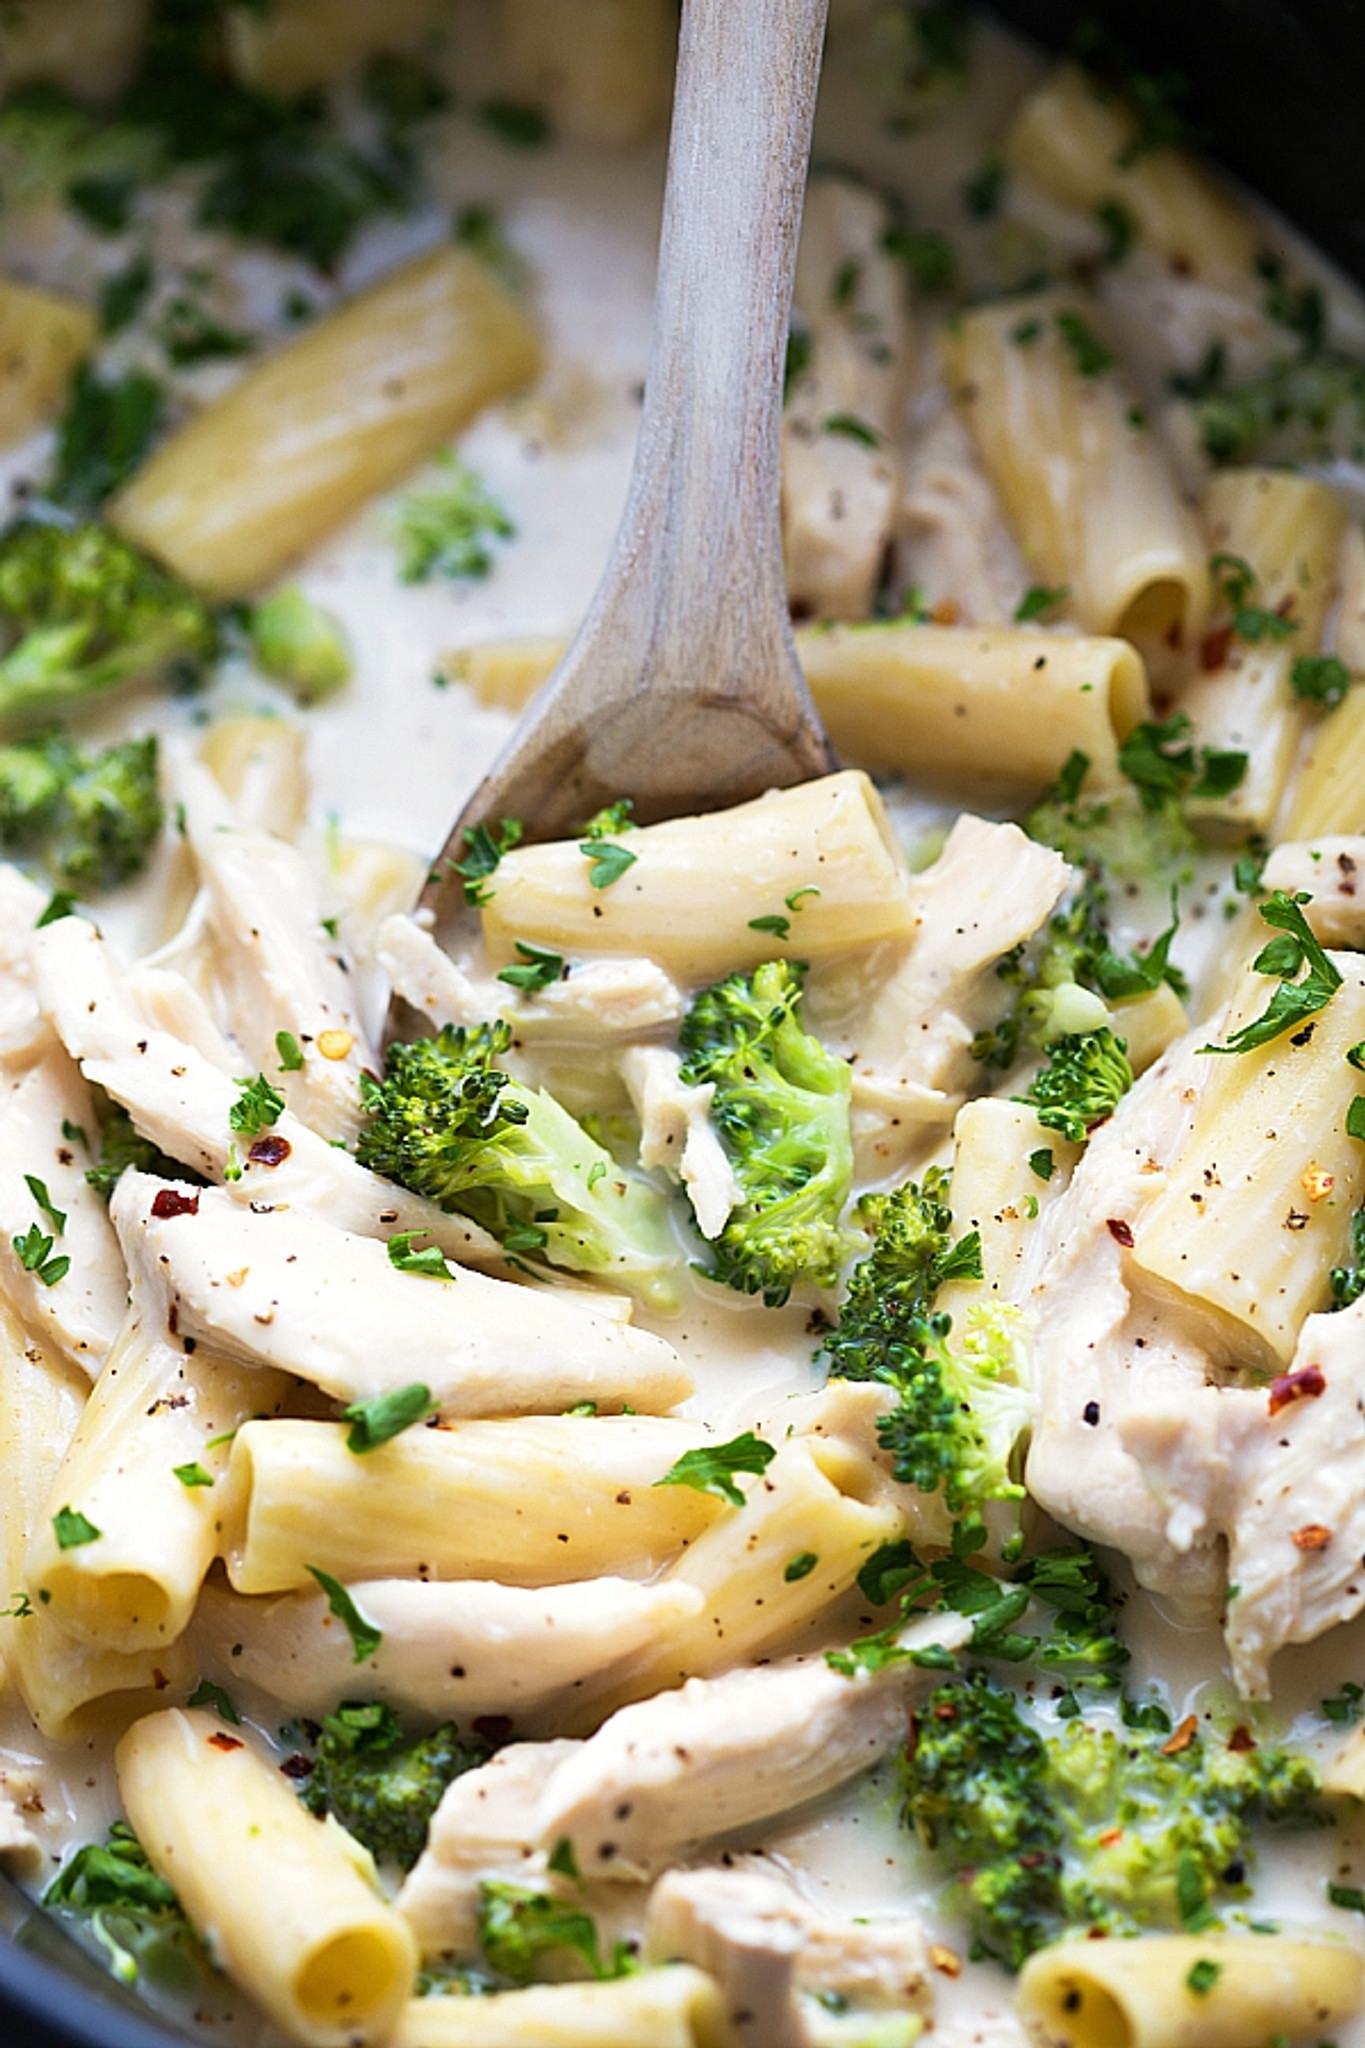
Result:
[[275, 1285], [766, 1946], [660, 1777], [990, 888], [676, 1133]]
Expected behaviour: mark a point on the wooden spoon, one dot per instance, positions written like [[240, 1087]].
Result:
[[681, 688]]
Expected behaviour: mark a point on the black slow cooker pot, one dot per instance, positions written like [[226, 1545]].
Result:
[[1278, 89]]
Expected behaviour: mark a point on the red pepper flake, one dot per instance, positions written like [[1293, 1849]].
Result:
[[1304, 1385], [1312, 1536], [1215, 648], [225, 1742], [1183, 1736], [1108, 1839], [168, 1202], [297, 1766], [1121, 1232], [1241, 1740], [946, 1960], [269, 1151]]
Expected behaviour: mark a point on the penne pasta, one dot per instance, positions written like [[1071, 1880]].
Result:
[[1154, 1993], [827, 844], [1083, 480], [673, 2007], [291, 1908], [1255, 1209], [42, 338], [140, 1472], [1075, 143], [346, 410], [531, 1503], [295, 45], [599, 68], [990, 714], [55, 1676], [1286, 531]]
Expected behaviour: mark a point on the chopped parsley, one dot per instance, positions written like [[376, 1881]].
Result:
[[192, 1475], [1038, 600], [290, 1052], [712, 1469], [207, 1694], [536, 969], [1322, 679], [384, 1416], [430, 1262], [259, 1105], [485, 846], [365, 1637], [1090, 356], [73, 1530], [851, 428], [1296, 952], [607, 860]]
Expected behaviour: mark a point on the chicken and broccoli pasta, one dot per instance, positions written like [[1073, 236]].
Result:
[[785, 1466]]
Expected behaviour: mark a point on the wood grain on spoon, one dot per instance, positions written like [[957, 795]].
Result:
[[682, 689]]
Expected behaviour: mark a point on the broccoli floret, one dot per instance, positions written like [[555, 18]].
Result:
[[1086, 1827], [132, 1913], [51, 144], [887, 1317], [120, 1145], [1086, 1076], [1065, 984], [382, 1786], [89, 820], [84, 612], [444, 531], [781, 1109], [517, 1927], [1128, 835], [449, 1124], [962, 1400], [299, 644]]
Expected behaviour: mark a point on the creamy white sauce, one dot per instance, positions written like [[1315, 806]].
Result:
[[393, 757]]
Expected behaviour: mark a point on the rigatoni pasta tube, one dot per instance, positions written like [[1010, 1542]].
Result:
[[290, 1907], [1071, 140], [42, 338], [1287, 531], [1153, 1992], [141, 1473], [600, 68], [1328, 793], [40, 1405], [999, 1192], [316, 429], [1255, 1209], [1087, 490], [533, 1502], [765, 1569], [988, 713], [823, 856], [674, 2007], [293, 45]]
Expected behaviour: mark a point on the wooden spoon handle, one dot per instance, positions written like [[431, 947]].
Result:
[[682, 688]]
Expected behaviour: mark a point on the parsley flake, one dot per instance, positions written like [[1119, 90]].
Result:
[[430, 1262], [73, 1530], [1297, 950], [384, 1416], [711, 1468], [608, 861], [536, 969], [365, 1637], [257, 1107]]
